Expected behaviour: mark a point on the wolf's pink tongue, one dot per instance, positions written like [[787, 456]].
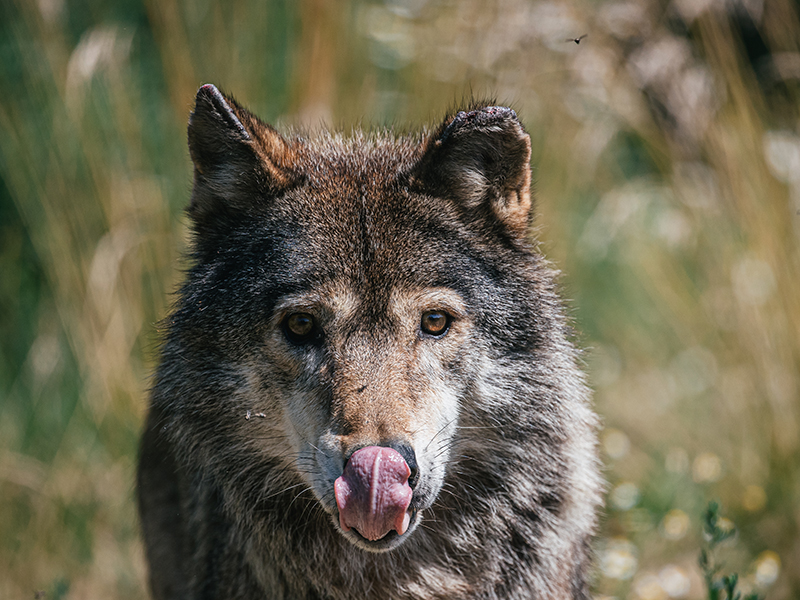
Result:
[[373, 493]]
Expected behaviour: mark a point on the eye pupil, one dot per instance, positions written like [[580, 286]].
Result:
[[435, 322], [300, 327]]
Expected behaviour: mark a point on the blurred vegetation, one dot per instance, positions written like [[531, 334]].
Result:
[[720, 587], [667, 166]]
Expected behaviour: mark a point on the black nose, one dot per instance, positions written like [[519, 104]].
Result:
[[407, 452]]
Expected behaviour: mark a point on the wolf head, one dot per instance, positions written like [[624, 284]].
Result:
[[365, 321]]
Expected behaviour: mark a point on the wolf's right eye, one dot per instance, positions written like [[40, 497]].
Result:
[[300, 328]]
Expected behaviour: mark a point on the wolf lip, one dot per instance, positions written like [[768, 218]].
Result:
[[373, 493]]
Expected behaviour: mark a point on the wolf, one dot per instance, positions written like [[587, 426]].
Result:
[[368, 387]]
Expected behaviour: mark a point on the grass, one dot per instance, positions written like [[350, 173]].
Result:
[[719, 586], [666, 156]]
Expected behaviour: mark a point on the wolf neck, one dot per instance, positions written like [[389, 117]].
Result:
[[439, 561], [421, 568]]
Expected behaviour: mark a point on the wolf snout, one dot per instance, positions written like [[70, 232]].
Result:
[[374, 492]]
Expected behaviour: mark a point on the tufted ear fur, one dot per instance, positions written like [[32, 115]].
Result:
[[238, 160], [481, 159]]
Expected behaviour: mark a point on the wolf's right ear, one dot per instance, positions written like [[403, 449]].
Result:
[[238, 160], [480, 159]]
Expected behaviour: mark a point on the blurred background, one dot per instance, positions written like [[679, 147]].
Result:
[[666, 153]]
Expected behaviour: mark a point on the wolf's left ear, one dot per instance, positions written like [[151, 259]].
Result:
[[481, 159]]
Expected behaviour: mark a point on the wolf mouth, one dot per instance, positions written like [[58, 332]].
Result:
[[373, 493], [388, 542]]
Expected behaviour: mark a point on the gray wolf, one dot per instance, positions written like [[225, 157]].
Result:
[[367, 388]]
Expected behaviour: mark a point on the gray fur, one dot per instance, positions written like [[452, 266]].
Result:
[[247, 430]]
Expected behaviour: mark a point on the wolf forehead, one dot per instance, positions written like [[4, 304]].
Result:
[[354, 206]]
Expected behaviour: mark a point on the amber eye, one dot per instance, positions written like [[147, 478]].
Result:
[[300, 328], [435, 322]]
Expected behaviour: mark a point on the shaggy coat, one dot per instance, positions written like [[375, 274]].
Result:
[[376, 292]]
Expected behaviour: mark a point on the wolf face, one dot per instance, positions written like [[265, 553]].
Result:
[[367, 340]]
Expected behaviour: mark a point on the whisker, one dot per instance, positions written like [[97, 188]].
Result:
[[446, 425]]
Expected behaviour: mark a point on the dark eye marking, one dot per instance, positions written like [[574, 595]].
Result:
[[435, 322]]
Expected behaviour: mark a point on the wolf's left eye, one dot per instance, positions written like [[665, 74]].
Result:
[[435, 322], [300, 328]]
